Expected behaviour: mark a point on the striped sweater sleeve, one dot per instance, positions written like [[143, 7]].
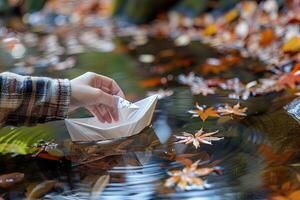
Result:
[[26, 100]]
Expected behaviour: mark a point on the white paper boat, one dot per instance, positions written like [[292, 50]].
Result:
[[91, 129]]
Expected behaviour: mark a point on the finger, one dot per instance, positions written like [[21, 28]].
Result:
[[108, 85], [103, 113], [95, 112], [105, 110], [108, 114]]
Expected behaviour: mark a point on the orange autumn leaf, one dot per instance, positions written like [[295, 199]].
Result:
[[207, 68], [267, 37], [290, 79], [210, 30], [152, 82], [292, 45], [204, 113], [275, 158]]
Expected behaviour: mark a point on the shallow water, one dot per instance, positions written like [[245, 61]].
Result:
[[257, 156]]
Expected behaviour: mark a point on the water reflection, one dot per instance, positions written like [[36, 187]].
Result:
[[259, 154]]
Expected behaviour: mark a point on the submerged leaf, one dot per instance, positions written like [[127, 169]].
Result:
[[40, 190], [188, 176], [99, 186]]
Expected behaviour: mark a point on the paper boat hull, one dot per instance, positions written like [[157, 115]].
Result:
[[90, 129]]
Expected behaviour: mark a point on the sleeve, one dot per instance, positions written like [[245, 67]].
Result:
[[26, 100]]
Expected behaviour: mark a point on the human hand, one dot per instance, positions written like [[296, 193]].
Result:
[[95, 92]]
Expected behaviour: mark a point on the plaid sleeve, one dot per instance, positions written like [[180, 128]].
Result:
[[27, 100]]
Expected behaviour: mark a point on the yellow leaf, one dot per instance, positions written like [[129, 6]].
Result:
[[231, 15], [292, 45], [210, 30]]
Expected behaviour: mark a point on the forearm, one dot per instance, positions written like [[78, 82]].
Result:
[[30, 100]]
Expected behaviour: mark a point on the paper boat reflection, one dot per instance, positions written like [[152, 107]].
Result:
[[90, 129]]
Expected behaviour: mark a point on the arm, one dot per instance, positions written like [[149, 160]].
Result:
[[29, 100], [26, 100]]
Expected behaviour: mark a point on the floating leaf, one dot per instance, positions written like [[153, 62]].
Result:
[[9, 180], [234, 110], [199, 137], [204, 113]]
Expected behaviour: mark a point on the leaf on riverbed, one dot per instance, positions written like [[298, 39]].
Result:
[[9, 180], [276, 158], [204, 113], [199, 137], [231, 15], [39, 190], [188, 176], [99, 186], [232, 110]]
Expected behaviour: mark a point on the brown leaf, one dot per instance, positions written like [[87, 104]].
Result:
[[40, 190], [9, 180]]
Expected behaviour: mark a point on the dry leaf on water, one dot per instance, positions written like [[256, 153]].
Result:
[[199, 137], [9, 180], [234, 110], [204, 113], [188, 176], [99, 186]]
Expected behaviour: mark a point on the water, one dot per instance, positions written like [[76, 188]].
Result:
[[258, 155]]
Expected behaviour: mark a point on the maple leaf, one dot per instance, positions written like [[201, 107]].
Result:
[[290, 79], [234, 110], [199, 137], [204, 113], [188, 176]]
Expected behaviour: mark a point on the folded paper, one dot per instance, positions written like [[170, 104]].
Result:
[[126, 108], [131, 122]]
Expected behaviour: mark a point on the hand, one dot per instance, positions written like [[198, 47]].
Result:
[[95, 92]]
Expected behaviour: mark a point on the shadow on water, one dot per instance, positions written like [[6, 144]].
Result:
[[257, 152]]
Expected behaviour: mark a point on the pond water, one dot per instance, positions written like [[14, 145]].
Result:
[[258, 157]]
